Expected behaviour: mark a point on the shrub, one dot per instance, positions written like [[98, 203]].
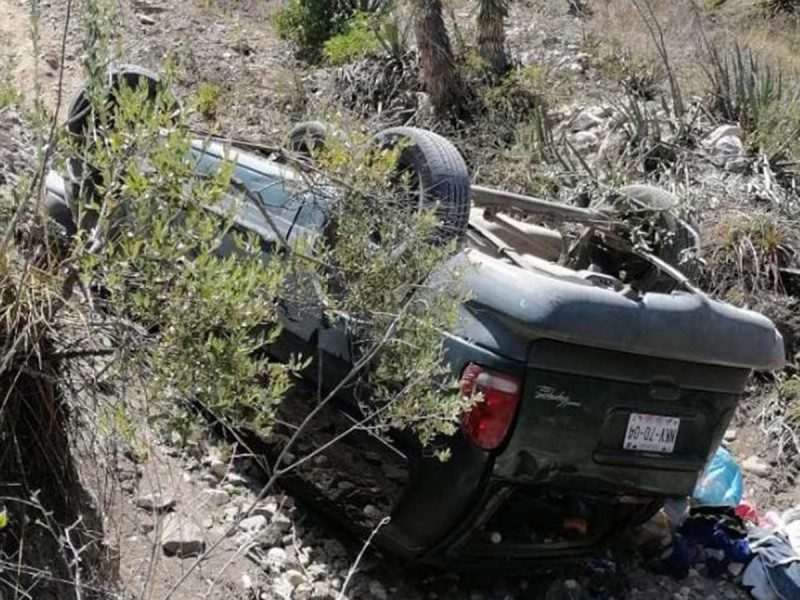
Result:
[[308, 24], [208, 98], [755, 93], [747, 251], [358, 39]]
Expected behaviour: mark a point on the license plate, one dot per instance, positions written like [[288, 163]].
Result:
[[651, 433]]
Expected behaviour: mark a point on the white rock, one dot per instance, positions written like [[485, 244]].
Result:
[[216, 498], [230, 513], [730, 435], [575, 68], [372, 512], [757, 466], [585, 141], [181, 537], [247, 582], [276, 557], [252, 524], [723, 131], [729, 147], [236, 479]]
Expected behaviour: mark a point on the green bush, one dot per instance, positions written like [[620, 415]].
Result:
[[357, 40], [308, 24]]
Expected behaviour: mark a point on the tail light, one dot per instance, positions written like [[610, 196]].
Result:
[[486, 424]]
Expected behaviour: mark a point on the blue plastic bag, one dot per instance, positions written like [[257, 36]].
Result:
[[721, 483]]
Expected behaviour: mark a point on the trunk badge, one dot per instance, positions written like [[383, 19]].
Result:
[[550, 394]]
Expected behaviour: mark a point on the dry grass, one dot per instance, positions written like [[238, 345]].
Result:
[[620, 34], [746, 251]]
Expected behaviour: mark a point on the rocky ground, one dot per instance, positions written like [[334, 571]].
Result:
[[181, 499]]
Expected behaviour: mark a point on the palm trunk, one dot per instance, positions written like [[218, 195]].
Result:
[[492, 35], [439, 75]]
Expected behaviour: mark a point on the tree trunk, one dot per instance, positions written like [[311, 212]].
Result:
[[439, 75], [492, 35]]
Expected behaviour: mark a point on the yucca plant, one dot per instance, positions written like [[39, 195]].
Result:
[[744, 87], [491, 22], [439, 73]]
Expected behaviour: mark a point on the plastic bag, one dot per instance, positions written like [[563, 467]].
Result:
[[720, 484]]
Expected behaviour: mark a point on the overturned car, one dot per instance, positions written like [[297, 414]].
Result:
[[607, 379]]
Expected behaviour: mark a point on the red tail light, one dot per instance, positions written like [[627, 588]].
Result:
[[487, 423]]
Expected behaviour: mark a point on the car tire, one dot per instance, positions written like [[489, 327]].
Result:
[[309, 138], [441, 172], [82, 180]]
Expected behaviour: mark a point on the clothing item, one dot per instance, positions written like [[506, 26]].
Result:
[[774, 572]]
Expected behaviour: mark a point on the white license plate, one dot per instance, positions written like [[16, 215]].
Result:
[[651, 433]]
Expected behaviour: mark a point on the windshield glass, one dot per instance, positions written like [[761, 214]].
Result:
[[291, 211]]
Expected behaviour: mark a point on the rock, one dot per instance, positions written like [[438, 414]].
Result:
[[230, 513], [586, 120], [729, 147], [585, 141], [145, 20], [181, 537], [575, 67], [372, 512], [267, 508], [247, 582], [208, 478], [345, 485], [236, 479], [216, 498], [316, 571], [252, 524], [723, 131], [738, 165], [218, 467], [282, 523], [156, 501], [303, 592], [730, 435], [294, 578], [322, 590], [757, 466], [276, 558]]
